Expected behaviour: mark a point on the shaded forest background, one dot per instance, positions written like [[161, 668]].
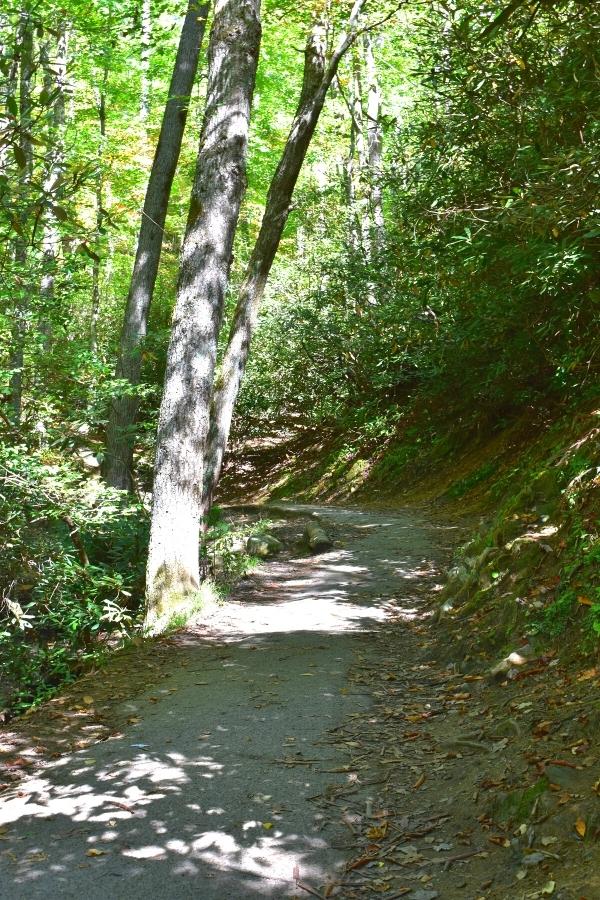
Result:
[[429, 327]]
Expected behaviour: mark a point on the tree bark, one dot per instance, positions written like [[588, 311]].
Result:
[[374, 145], [118, 461], [173, 559], [95, 311], [317, 78], [9, 86], [55, 80], [145, 50], [25, 49], [357, 163]]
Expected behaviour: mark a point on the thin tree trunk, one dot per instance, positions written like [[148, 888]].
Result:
[[17, 356], [317, 79], [95, 311], [361, 201], [118, 462], [8, 89], [56, 79], [356, 160], [374, 145], [146, 46], [219, 184]]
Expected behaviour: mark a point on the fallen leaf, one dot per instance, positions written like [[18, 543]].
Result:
[[93, 851], [549, 888], [580, 828], [419, 782], [88, 700], [19, 761], [589, 673], [376, 832], [267, 825], [499, 839]]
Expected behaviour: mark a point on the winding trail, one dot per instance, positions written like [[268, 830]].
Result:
[[206, 793]]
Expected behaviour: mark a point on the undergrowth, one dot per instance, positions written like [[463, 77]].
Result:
[[73, 571]]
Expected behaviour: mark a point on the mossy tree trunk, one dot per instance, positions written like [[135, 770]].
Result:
[[219, 185]]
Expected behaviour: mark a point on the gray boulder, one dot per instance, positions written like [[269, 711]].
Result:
[[263, 545], [317, 539]]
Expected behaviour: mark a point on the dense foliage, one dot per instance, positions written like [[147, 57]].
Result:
[[487, 285]]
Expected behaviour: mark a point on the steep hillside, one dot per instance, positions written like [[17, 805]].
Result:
[[526, 494]]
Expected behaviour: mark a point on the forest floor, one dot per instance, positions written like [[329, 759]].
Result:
[[313, 737]]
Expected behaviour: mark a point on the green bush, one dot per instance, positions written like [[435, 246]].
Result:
[[72, 572]]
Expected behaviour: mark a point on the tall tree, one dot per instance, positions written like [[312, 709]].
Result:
[[374, 144], [219, 185], [99, 199], [25, 51], [145, 51], [318, 75], [55, 84], [362, 175], [355, 161], [117, 466]]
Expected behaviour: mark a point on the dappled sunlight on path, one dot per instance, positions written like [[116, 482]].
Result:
[[206, 792]]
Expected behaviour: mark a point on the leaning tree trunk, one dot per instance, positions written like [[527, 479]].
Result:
[[317, 79], [219, 185], [118, 459]]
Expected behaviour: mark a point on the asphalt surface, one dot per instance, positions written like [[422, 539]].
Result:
[[206, 792]]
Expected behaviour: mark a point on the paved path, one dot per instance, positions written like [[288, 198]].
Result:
[[206, 793]]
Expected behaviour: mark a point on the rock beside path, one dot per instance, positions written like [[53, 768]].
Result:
[[263, 545], [317, 538]]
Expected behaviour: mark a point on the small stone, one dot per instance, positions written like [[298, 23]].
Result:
[[574, 780], [533, 859]]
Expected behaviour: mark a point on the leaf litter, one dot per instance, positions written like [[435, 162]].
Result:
[[461, 773]]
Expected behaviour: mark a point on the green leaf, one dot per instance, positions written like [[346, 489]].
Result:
[[20, 156], [86, 250], [60, 213]]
